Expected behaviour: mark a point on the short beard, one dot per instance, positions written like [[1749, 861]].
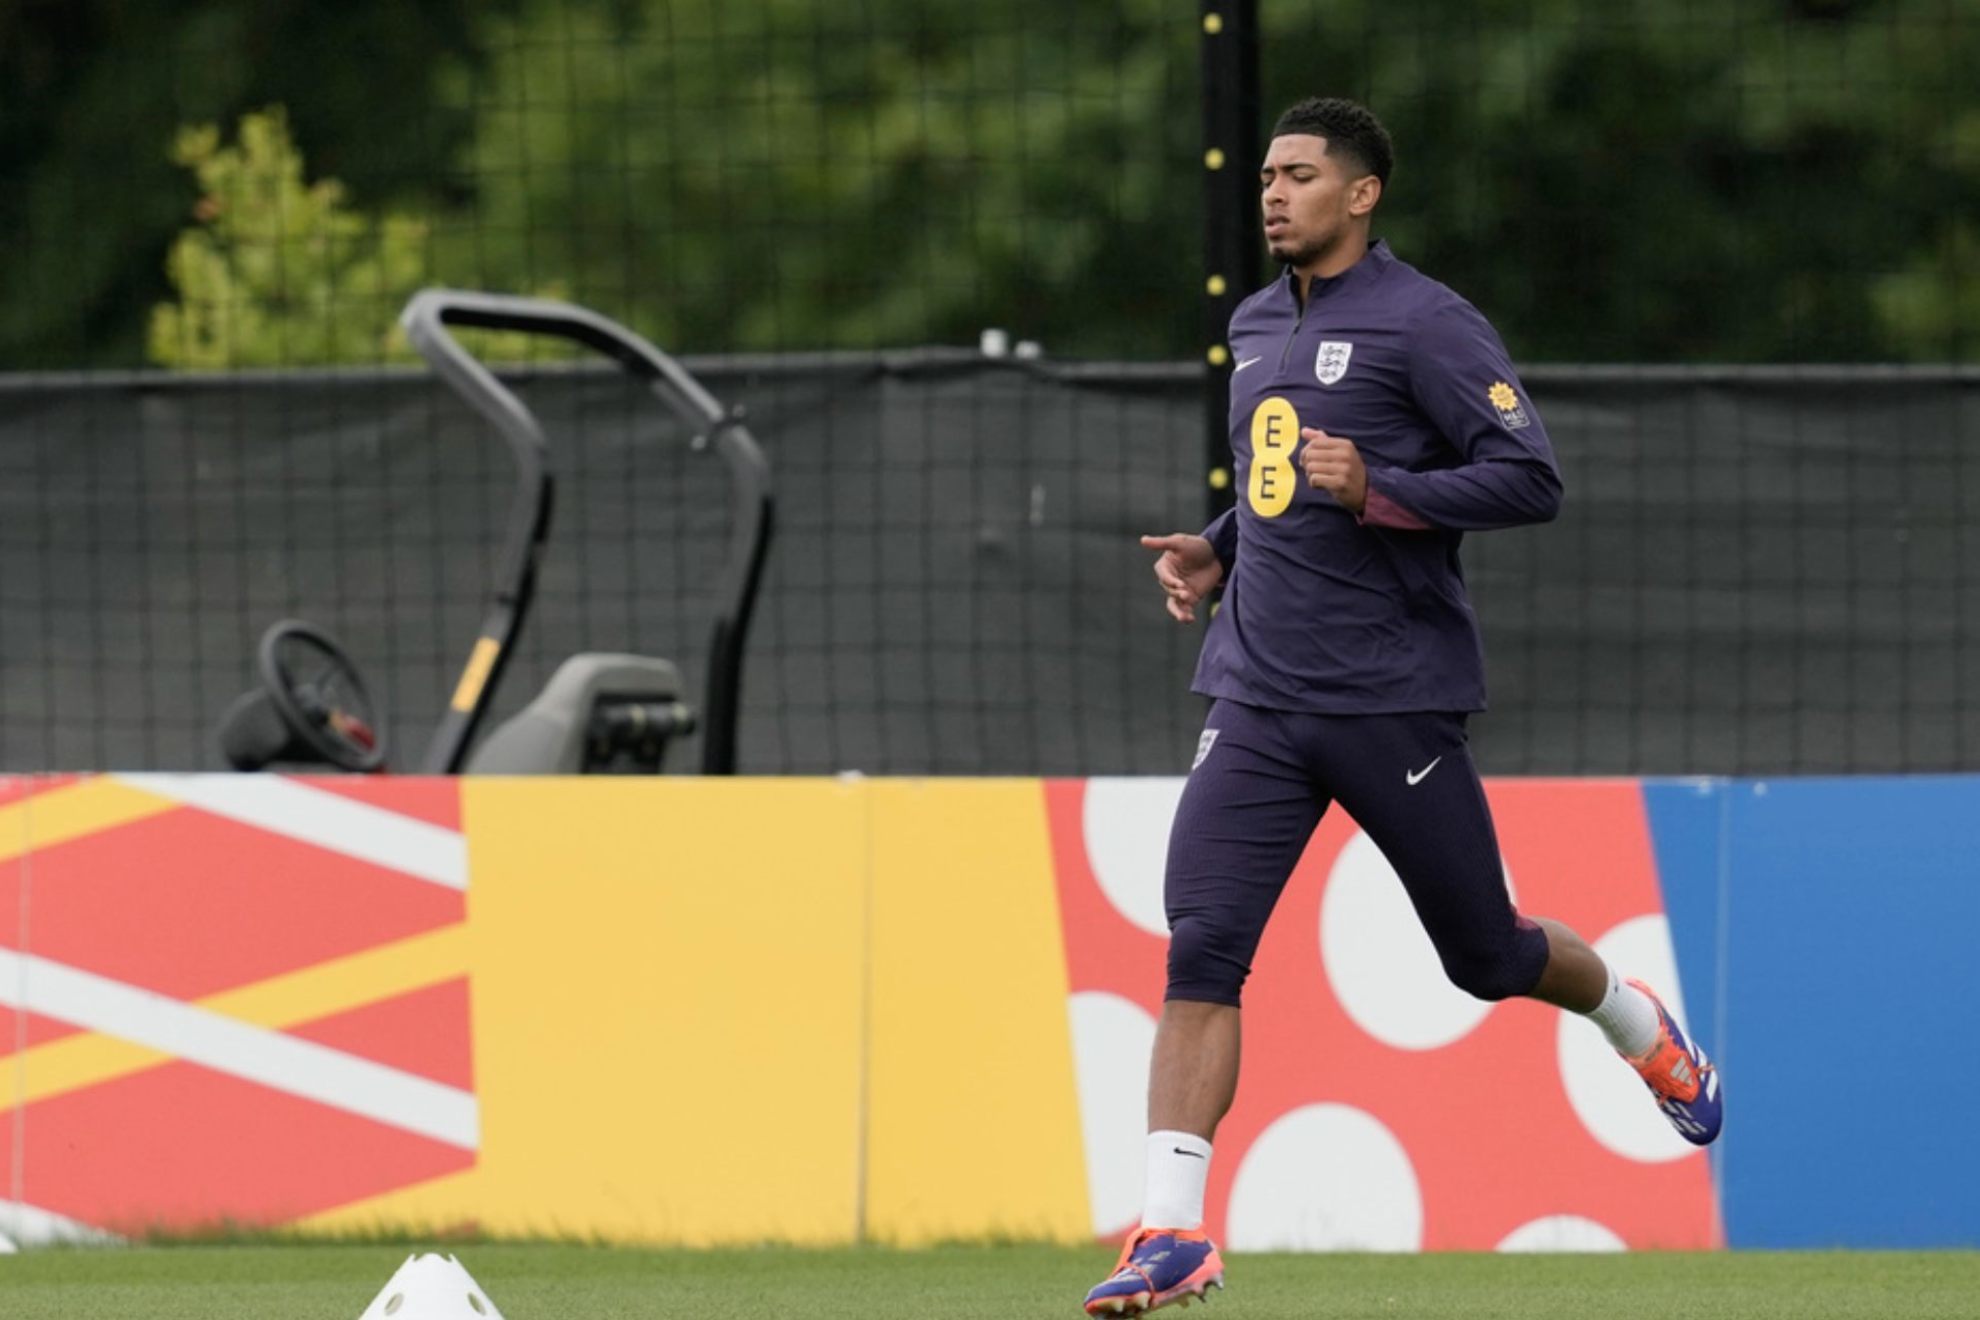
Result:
[[1306, 253]]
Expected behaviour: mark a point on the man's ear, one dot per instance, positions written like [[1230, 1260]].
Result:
[[1363, 193]]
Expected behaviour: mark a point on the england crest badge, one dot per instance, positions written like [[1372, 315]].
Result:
[[1332, 363]]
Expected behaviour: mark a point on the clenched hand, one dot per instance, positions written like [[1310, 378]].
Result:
[[1334, 465]]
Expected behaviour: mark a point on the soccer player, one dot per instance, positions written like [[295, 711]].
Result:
[[1375, 418]]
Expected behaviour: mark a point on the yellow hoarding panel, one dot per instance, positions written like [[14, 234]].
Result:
[[666, 996], [973, 1119]]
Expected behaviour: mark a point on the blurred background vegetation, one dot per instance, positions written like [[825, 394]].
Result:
[[216, 183]]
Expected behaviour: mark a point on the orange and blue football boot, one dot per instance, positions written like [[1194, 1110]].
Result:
[[1158, 1266], [1684, 1082]]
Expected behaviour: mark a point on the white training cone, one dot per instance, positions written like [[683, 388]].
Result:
[[431, 1287]]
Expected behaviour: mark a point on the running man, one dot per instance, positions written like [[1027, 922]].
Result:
[[1375, 418]]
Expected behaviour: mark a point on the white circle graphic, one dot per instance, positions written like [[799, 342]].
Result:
[[1326, 1178], [1607, 1095], [1112, 1041], [1562, 1233], [1381, 964], [1127, 844]]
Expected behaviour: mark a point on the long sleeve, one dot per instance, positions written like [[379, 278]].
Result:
[[1222, 534], [1463, 380]]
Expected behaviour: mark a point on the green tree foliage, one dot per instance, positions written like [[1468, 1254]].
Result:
[[1743, 181], [1750, 180], [94, 92], [783, 174], [279, 271]]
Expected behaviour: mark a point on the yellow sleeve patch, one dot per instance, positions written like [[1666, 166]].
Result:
[[1505, 400]]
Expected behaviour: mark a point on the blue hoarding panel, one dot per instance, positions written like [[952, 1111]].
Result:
[[1687, 833], [1687, 826], [1850, 973]]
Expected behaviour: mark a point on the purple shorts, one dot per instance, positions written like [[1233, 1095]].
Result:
[[1261, 782]]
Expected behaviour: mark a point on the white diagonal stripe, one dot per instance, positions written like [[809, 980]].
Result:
[[31, 1226], [256, 1054], [323, 820]]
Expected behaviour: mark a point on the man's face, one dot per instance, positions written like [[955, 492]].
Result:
[[1309, 198]]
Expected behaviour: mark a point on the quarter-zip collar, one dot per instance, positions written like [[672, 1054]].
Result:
[[1373, 262]]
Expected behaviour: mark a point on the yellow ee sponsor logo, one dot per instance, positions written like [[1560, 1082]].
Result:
[[1274, 437]]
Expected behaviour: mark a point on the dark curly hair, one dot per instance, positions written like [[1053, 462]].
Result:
[[1351, 130]]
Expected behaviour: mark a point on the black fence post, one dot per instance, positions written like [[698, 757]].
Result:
[[1230, 214]]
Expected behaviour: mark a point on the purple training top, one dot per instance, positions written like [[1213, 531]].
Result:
[[1335, 614]]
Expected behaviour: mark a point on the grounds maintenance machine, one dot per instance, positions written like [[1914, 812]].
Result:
[[599, 712]]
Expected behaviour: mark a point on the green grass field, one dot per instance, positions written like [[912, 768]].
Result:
[[336, 1282]]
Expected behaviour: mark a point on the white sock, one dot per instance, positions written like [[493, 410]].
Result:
[[1627, 1017], [1178, 1166]]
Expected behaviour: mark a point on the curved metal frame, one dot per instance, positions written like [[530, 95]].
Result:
[[426, 319]]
